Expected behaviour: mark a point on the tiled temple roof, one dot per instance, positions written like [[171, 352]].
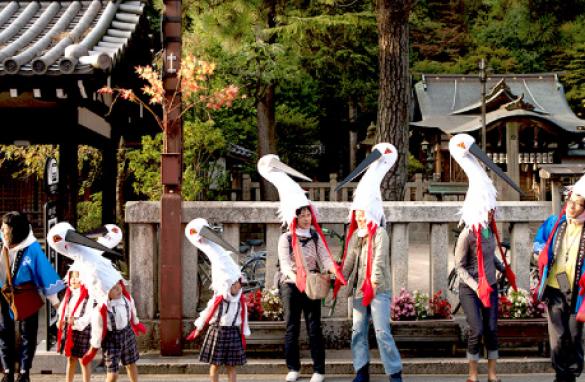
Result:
[[452, 102], [64, 37]]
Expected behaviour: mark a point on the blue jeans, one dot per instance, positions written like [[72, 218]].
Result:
[[379, 311]]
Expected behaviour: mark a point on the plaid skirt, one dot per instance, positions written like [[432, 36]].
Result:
[[80, 341], [223, 346], [120, 346]]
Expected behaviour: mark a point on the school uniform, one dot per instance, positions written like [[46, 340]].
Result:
[[223, 343]]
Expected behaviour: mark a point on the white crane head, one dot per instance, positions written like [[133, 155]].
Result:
[[291, 195], [224, 270], [367, 195], [481, 194], [95, 272]]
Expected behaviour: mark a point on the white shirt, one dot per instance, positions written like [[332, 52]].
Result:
[[118, 308], [81, 321], [229, 309]]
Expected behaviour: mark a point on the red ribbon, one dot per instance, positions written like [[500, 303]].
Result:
[[509, 273], [301, 271], [367, 289], [139, 328], [350, 231], [484, 289]]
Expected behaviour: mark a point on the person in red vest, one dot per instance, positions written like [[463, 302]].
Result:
[[74, 327]]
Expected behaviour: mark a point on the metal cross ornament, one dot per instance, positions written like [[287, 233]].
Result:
[[170, 58]]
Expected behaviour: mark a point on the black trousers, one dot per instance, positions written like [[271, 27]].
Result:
[[482, 321], [294, 303], [28, 339], [565, 335]]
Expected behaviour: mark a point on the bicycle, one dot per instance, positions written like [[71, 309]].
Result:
[[253, 265]]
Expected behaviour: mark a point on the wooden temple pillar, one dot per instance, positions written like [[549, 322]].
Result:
[[171, 231], [109, 175], [68, 181]]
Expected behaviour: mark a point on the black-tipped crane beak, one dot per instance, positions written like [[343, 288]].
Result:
[[479, 154], [74, 237], [287, 169], [210, 235], [363, 166]]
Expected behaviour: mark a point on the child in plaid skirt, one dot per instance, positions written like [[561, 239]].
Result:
[[224, 343], [119, 342], [74, 328]]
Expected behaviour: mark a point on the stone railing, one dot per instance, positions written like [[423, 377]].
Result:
[[143, 219]]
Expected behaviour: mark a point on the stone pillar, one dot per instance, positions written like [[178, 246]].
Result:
[[273, 232], [231, 234], [556, 196], [521, 247], [143, 266], [190, 279], [399, 256], [513, 149], [439, 271], [332, 185]]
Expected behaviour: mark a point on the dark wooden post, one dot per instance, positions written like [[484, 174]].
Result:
[[171, 305], [110, 172]]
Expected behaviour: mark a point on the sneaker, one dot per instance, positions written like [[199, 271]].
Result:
[[8, 377], [396, 377], [317, 377], [292, 376]]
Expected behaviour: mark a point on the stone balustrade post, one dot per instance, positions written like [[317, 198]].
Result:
[[143, 257], [521, 247], [273, 232], [439, 257], [399, 256]]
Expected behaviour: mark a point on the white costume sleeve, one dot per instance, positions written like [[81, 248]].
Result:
[[200, 321]]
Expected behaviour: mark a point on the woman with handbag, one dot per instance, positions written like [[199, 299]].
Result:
[[315, 261], [24, 270], [303, 255]]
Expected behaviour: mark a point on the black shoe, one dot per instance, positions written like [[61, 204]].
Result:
[[8, 377], [23, 377], [396, 377], [363, 374]]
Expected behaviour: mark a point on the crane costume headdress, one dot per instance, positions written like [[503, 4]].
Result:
[[96, 272], [480, 199], [368, 197], [292, 197], [224, 270]]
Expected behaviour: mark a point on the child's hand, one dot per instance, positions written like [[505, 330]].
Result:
[[71, 321]]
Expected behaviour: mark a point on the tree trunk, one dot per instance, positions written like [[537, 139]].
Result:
[[394, 89], [265, 108], [121, 181], [266, 135]]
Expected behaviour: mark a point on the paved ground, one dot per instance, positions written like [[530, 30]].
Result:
[[277, 378]]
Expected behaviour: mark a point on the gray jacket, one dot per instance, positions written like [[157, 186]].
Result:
[[466, 258], [354, 266]]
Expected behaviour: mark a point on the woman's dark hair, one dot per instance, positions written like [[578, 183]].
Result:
[[299, 210], [19, 224]]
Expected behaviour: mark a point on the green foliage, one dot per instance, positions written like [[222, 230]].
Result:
[[89, 213], [414, 166], [203, 177]]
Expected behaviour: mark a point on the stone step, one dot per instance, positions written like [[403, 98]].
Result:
[[338, 362]]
